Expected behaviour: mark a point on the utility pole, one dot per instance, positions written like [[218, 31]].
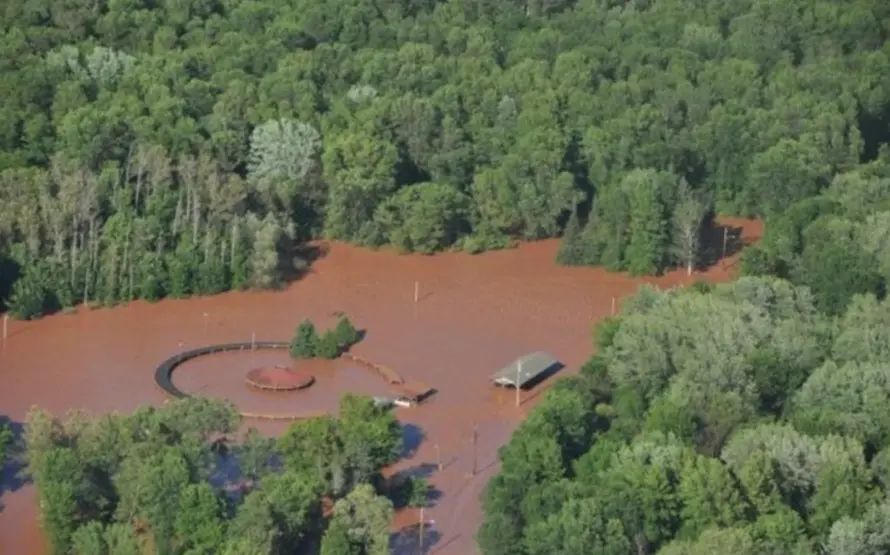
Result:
[[5, 327], [253, 341], [518, 379], [421, 529], [613, 306], [416, 291], [475, 441], [725, 240], [205, 325]]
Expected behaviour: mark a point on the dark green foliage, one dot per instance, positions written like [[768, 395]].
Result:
[[571, 249], [308, 343], [337, 541], [134, 484], [328, 347], [345, 333], [734, 418], [304, 344], [30, 297], [6, 443], [418, 492], [604, 331], [701, 286], [143, 156]]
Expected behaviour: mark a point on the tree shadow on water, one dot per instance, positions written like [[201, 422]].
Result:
[[399, 486], [360, 335], [406, 541], [423, 470], [12, 475], [413, 437], [712, 240], [303, 257]]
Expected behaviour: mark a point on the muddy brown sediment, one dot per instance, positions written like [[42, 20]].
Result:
[[475, 314], [279, 378]]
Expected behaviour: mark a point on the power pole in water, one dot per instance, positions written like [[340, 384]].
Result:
[[416, 291], [518, 379], [421, 529], [475, 441]]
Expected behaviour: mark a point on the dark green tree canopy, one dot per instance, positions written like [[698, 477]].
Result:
[[175, 150], [141, 483], [732, 419]]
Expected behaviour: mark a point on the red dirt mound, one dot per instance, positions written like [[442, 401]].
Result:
[[279, 378]]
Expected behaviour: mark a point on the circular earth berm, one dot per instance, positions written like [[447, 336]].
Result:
[[279, 378]]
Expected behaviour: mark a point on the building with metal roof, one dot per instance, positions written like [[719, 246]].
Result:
[[526, 369]]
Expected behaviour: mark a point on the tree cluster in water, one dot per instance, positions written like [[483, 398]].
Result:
[[165, 481], [307, 343], [153, 149], [737, 419]]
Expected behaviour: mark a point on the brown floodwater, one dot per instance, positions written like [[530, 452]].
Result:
[[474, 315], [223, 375]]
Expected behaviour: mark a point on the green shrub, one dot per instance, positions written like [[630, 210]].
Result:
[[328, 346], [305, 341], [345, 333]]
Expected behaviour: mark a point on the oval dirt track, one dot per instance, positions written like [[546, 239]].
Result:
[[475, 314]]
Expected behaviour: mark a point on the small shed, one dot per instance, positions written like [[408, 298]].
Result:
[[526, 369]]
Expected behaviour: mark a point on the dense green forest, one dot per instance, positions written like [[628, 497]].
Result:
[[165, 481], [175, 147], [735, 420], [837, 243]]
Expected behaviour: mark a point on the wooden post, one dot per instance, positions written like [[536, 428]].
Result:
[[475, 441], [253, 341], [421, 529], [438, 458], [416, 291], [205, 323], [725, 240], [613, 306], [518, 379], [5, 327]]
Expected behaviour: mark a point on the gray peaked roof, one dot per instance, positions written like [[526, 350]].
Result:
[[528, 368]]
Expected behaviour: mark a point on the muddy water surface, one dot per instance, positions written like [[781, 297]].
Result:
[[223, 375], [474, 316]]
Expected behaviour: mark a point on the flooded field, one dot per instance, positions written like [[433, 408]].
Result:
[[474, 315]]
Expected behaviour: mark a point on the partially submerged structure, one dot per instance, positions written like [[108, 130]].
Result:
[[410, 395], [526, 370]]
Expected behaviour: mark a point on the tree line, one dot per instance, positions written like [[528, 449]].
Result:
[[731, 419], [178, 148], [166, 480]]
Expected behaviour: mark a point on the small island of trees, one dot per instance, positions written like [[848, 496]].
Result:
[[307, 343]]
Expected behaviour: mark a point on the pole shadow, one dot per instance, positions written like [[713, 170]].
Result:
[[407, 541]]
